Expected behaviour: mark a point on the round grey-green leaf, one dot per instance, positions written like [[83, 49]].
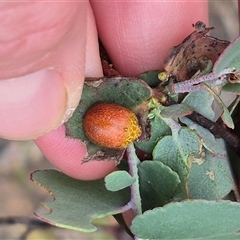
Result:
[[118, 180], [197, 219]]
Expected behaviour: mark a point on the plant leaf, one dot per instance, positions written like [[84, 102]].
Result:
[[175, 152], [210, 178], [229, 58], [226, 116], [157, 184], [150, 77], [209, 141], [201, 102], [127, 92], [189, 143], [76, 203], [232, 87], [167, 152], [176, 111], [198, 219], [158, 129], [118, 180]]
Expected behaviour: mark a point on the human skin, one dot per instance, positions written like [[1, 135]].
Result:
[[47, 49]]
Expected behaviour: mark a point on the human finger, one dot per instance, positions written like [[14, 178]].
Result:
[[138, 35], [42, 49]]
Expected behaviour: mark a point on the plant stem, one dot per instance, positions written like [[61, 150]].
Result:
[[175, 127], [189, 85], [217, 129], [133, 162]]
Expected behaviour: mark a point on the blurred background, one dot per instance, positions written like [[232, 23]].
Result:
[[19, 197]]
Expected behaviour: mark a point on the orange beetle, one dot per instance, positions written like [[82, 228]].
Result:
[[111, 125]]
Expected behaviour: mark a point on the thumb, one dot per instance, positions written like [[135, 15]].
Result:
[[42, 73], [66, 153]]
